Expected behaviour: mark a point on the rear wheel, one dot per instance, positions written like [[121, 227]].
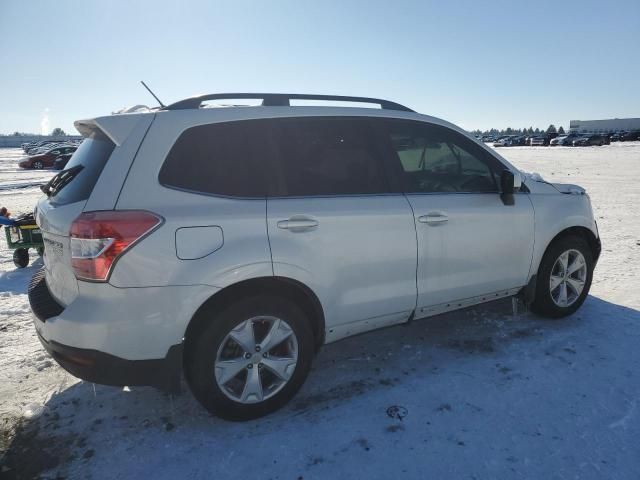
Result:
[[564, 277], [251, 358], [21, 257]]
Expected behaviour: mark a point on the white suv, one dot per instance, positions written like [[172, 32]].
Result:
[[229, 244]]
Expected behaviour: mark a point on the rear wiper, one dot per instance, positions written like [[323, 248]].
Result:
[[59, 181], [46, 188]]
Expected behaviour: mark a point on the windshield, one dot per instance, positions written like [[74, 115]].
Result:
[[77, 180]]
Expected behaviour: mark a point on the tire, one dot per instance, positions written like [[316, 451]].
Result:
[[38, 165], [212, 344], [21, 257], [548, 302]]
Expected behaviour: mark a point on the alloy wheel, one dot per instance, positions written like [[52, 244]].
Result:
[[568, 278], [256, 359]]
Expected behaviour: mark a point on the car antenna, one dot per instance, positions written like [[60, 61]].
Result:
[[154, 95]]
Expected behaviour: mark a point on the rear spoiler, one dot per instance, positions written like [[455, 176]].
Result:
[[116, 127]]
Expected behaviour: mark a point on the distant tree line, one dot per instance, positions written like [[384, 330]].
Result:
[[520, 131], [56, 132]]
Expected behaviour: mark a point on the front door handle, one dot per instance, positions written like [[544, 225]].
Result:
[[434, 218], [298, 223]]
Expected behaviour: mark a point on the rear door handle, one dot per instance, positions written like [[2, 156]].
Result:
[[298, 223], [434, 218]]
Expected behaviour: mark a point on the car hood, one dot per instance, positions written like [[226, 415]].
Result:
[[565, 188], [569, 188]]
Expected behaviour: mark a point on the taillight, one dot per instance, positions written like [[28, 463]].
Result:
[[98, 239]]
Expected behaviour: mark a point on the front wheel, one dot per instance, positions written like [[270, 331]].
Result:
[[251, 358], [564, 277], [38, 165]]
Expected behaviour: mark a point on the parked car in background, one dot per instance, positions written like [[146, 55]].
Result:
[[629, 136], [564, 140], [264, 219], [32, 145], [40, 147], [557, 141], [46, 159], [509, 141], [61, 161], [606, 137], [589, 140], [45, 148], [537, 141]]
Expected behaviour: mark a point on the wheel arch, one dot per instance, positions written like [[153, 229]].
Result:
[[583, 232], [288, 288], [577, 230]]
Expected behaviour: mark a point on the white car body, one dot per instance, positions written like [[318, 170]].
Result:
[[562, 140], [372, 261]]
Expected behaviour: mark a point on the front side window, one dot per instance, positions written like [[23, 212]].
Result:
[[435, 159], [329, 156]]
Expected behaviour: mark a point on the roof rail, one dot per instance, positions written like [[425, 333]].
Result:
[[281, 100]]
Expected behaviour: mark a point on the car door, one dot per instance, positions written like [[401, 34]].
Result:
[[335, 227], [470, 243]]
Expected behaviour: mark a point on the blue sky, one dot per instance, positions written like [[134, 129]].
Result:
[[477, 64]]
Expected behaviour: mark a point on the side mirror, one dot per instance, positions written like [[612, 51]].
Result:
[[507, 182], [517, 181]]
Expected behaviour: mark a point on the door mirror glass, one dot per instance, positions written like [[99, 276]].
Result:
[[517, 181]]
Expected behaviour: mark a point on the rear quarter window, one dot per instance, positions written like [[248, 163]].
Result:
[[228, 159]]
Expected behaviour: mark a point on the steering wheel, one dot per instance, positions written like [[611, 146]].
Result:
[[443, 186], [476, 183]]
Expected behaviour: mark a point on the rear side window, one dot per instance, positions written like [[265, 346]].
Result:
[[329, 156], [220, 159], [80, 175]]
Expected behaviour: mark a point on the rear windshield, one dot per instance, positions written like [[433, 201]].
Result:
[[82, 172]]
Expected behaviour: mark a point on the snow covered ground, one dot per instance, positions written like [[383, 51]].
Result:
[[485, 394]]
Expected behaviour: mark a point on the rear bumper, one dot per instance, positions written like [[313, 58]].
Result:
[[91, 364], [105, 369]]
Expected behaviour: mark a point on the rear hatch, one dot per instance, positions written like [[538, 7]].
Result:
[[65, 198]]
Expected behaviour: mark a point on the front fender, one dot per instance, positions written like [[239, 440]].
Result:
[[555, 213]]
